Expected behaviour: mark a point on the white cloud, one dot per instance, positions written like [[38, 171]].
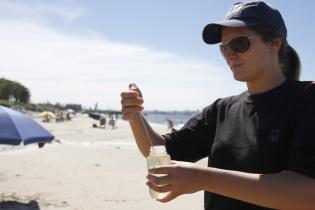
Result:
[[63, 67], [35, 10]]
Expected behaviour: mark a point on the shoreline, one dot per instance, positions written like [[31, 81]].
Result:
[[73, 132]]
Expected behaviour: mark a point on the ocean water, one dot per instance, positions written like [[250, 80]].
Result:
[[157, 117], [178, 118]]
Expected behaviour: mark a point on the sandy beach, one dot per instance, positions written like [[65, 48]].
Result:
[[91, 168]]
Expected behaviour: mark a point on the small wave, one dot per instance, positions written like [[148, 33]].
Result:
[[113, 145], [102, 144]]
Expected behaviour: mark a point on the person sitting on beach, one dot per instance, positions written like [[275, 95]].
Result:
[[103, 122], [60, 117], [46, 118], [68, 116]]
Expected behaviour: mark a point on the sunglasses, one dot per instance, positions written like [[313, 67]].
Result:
[[237, 45]]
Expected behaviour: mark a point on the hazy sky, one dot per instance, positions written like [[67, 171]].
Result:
[[88, 52]]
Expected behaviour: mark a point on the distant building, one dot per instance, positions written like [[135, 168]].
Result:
[[74, 107]]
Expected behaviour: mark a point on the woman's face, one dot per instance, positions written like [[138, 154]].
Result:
[[252, 64]]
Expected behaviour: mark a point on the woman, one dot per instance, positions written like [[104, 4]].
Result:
[[261, 143]]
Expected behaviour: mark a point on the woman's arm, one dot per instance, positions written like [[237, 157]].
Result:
[[145, 136], [284, 190]]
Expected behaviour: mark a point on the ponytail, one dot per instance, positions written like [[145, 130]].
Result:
[[290, 62]]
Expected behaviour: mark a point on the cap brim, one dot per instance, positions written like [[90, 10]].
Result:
[[212, 32]]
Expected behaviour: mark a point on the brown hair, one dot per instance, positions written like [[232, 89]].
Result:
[[288, 57]]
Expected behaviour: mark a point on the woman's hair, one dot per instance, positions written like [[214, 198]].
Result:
[[288, 57]]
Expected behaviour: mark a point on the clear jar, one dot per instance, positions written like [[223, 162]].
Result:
[[157, 157]]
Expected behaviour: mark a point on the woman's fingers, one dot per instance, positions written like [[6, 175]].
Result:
[[131, 109], [131, 103], [170, 196], [134, 87], [166, 169], [158, 180], [159, 188], [125, 102], [130, 94], [163, 189]]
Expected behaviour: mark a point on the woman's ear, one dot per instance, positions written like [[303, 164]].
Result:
[[276, 43]]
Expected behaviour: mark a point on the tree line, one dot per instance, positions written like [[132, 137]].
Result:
[[14, 91]]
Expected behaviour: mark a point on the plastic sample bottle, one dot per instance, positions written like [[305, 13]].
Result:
[[157, 157]]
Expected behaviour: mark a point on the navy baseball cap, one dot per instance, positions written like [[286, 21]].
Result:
[[245, 14]]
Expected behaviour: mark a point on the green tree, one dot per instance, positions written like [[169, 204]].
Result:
[[14, 91]]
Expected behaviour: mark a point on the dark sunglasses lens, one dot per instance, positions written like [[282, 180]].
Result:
[[240, 44]]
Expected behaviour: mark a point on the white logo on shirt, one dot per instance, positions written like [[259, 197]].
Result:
[[274, 136]]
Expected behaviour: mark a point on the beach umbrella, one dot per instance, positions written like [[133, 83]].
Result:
[[47, 114], [17, 128]]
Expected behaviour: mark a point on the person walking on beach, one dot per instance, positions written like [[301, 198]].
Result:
[[261, 143], [112, 122], [170, 124]]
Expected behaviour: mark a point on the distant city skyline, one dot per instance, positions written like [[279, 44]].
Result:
[[87, 52]]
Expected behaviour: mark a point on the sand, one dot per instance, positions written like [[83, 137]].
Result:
[[91, 168]]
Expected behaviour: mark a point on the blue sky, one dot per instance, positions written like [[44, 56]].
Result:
[[87, 52]]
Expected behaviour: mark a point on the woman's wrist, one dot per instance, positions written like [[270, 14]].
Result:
[[202, 175]]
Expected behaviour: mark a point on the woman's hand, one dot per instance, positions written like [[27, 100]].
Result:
[[131, 102], [180, 178]]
